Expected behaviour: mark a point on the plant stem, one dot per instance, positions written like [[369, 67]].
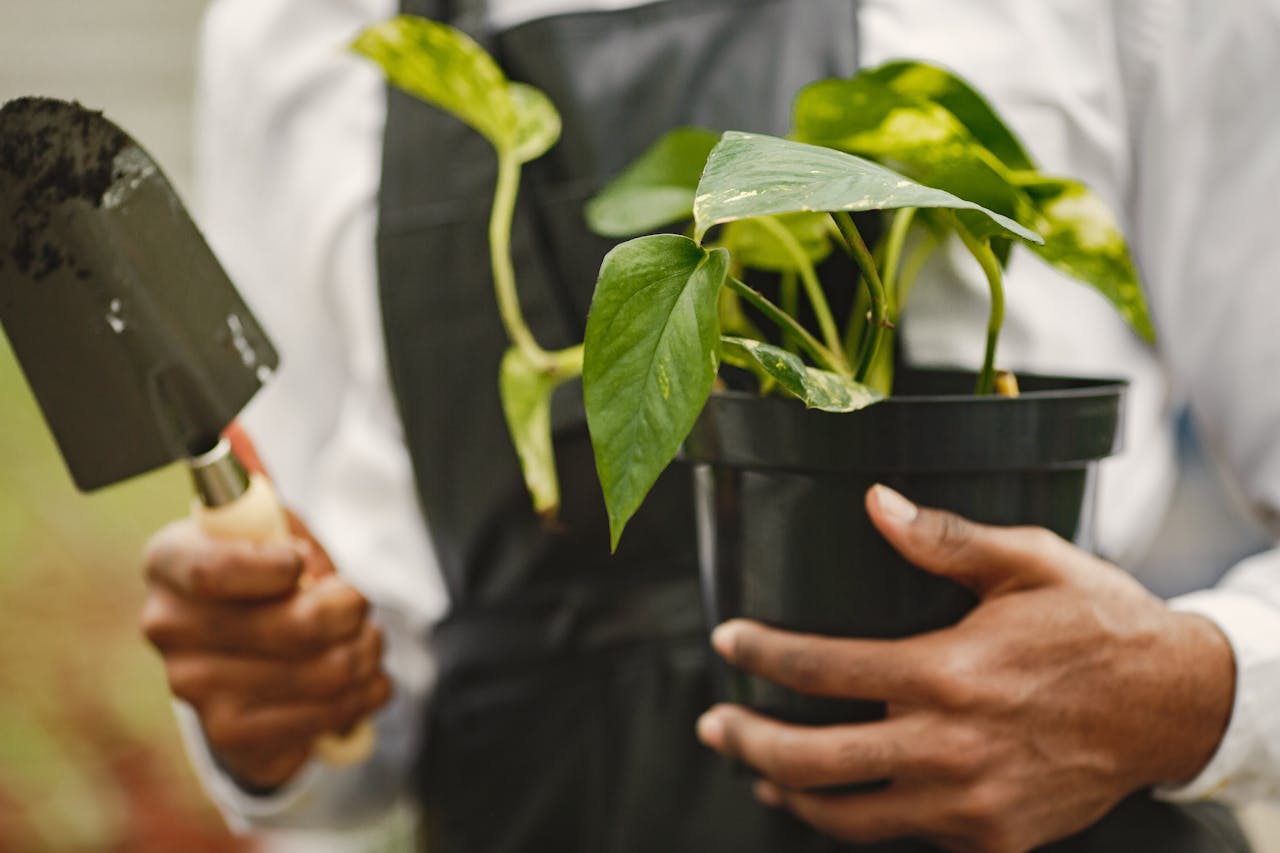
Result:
[[981, 251], [812, 287], [911, 268], [823, 357], [894, 243], [875, 291], [789, 296], [504, 274]]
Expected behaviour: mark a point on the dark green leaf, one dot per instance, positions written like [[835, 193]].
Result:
[[956, 96], [651, 357], [754, 245], [749, 175], [656, 190], [817, 389], [526, 402], [1083, 239]]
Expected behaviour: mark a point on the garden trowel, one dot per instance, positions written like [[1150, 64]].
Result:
[[135, 343]]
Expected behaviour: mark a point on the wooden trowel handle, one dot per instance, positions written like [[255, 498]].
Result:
[[234, 504]]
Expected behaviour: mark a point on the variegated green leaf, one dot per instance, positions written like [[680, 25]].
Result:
[[537, 122], [817, 389], [656, 190], [862, 116], [1084, 240], [958, 97], [526, 401], [750, 175], [446, 68], [650, 360]]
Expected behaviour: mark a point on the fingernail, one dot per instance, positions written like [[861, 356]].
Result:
[[767, 793], [723, 639], [711, 729], [894, 506]]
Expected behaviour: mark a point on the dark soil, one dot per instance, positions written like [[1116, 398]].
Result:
[[52, 153]]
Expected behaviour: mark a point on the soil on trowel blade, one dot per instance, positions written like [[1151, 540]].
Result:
[[51, 153]]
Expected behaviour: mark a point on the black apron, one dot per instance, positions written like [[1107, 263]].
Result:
[[570, 680]]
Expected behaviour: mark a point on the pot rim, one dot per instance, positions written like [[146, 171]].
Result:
[[1046, 428]]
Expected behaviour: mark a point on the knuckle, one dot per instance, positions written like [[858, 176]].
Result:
[[162, 551], [1039, 540], [225, 727], [337, 613], [951, 532], [956, 685], [802, 669], [963, 756], [205, 575], [338, 670], [782, 760], [982, 815], [158, 622], [855, 758], [190, 681]]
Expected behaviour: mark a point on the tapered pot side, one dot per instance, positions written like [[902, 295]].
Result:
[[783, 534]]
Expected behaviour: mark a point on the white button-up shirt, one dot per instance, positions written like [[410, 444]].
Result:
[[1166, 107]]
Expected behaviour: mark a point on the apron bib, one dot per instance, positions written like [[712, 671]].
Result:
[[570, 680]]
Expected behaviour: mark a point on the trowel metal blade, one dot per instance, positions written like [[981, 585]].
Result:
[[134, 341]]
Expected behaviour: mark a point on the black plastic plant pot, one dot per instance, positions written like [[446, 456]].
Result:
[[784, 537]]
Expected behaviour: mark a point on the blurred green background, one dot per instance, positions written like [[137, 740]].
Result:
[[89, 755]]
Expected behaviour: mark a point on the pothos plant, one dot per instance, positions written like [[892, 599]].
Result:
[[907, 138]]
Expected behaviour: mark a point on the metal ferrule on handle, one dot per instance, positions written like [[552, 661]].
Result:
[[219, 477]]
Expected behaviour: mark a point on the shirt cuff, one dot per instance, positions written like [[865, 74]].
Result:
[[1246, 765], [242, 810]]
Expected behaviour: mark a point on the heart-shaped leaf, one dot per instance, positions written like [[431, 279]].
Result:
[[650, 360], [447, 68], [537, 122], [1083, 239], [864, 117], [958, 97], [817, 389], [750, 175], [756, 246], [656, 190], [939, 130]]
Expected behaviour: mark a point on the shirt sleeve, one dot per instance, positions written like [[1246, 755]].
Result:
[[1207, 162], [289, 127]]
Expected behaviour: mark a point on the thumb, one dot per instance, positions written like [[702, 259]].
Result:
[[989, 560], [316, 561]]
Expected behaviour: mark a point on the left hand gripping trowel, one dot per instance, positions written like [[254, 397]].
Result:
[[135, 343]]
